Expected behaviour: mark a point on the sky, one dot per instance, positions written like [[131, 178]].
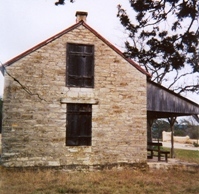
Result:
[[26, 23]]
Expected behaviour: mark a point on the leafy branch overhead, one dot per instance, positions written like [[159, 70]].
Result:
[[163, 37], [62, 2]]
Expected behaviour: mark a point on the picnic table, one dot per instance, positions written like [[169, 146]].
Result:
[[156, 147]]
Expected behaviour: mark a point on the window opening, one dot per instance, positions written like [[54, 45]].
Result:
[[80, 65], [79, 118]]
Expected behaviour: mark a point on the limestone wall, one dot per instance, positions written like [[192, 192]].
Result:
[[34, 121]]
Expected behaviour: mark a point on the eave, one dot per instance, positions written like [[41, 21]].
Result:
[[13, 60], [164, 103]]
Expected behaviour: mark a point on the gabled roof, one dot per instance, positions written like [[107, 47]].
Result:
[[68, 30]]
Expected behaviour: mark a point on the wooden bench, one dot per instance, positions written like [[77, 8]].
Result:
[[155, 147]]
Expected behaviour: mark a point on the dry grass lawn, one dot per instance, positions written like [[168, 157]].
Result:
[[127, 181]]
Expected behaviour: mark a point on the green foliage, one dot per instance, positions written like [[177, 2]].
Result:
[[194, 133], [179, 132], [195, 144], [159, 39], [183, 128], [158, 127], [189, 127]]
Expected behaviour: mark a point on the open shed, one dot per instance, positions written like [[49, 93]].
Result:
[[164, 103]]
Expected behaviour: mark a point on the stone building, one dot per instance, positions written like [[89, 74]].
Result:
[[74, 100]]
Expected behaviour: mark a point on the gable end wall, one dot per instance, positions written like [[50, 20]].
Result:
[[34, 124]]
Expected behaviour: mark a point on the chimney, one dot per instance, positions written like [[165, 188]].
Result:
[[81, 15]]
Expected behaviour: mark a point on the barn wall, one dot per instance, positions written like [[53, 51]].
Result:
[[34, 124]]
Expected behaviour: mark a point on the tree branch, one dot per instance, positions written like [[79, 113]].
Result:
[[162, 18], [177, 78], [62, 2], [188, 88]]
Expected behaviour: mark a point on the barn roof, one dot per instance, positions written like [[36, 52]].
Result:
[[68, 30], [164, 103]]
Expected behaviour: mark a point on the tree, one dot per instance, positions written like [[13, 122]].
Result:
[[158, 127], [163, 39], [62, 2], [191, 127]]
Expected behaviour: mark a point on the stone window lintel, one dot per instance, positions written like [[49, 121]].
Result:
[[80, 101]]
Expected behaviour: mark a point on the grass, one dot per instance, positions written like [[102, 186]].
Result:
[[101, 182], [191, 156], [126, 181]]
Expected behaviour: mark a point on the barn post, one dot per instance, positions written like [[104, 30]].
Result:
[[172, 120], [196, 117], [149, 130]]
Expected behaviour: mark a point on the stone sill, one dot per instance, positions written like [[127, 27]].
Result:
[[79, 101]]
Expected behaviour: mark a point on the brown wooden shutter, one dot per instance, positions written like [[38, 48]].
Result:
[[80, 65], [79, 118]]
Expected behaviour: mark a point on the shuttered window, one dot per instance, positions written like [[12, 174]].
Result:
[[80, 65], [78, 130]]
